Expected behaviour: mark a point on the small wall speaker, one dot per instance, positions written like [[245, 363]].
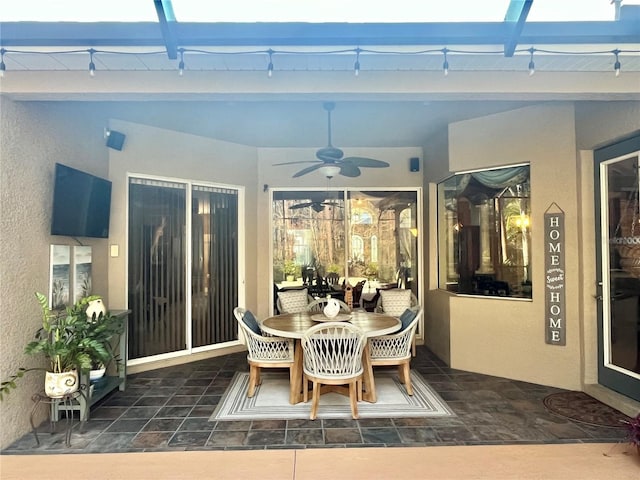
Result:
[[115, 140], [414, 164]]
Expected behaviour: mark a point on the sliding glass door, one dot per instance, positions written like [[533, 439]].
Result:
[[174, 250], [368, 239]]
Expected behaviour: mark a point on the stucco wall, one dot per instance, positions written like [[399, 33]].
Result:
[[33, 137], [506, 337], [436, 301], [170, 154], [396, 175]]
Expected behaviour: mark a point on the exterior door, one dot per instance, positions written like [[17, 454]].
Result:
[[618, 266], [175, 249]]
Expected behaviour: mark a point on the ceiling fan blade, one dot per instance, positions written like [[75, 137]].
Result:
[[366, 162], [295, 163], [310, 169], [301, 205], [348, 169]]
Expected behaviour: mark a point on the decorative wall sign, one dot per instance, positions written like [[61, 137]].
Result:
[[82, 272], [70, 275], [59, 276], [555, 291]]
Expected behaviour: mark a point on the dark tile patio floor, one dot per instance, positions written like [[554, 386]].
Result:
[[168, 409]]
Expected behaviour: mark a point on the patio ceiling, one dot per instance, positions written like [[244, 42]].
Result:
[[399, 98]]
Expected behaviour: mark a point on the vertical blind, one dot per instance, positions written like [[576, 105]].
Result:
[[157, 267], [214, 265]]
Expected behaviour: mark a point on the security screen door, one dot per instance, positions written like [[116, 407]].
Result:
[[619, 267], [183, 266]]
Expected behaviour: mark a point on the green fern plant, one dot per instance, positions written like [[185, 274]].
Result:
[[69, 340]]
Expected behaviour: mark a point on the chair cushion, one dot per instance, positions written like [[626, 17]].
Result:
[[406, 318], [294, 301], [250, 321], [395, 302]]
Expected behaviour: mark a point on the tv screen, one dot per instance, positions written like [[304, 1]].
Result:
[[81, 204]]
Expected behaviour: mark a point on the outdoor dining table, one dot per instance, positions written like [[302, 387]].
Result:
[[294, 325]]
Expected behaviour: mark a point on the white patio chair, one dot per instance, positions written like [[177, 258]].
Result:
[[332, 355], [394, 302], [395, 349], [317, 306], [263, 352]]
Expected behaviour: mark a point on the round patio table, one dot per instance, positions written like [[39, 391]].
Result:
[[294, 325]]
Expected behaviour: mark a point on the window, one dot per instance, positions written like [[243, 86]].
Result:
[[484, 231], [363, 236]]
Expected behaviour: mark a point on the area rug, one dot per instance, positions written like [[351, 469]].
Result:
[[271, 401], [580, 407]]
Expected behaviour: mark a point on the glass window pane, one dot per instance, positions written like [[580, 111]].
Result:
[[484, 230], [371, 239]]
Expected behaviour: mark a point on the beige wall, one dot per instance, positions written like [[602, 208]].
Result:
[[436, 303], [169, 154], [506, 337], [34, 137], [396, 175]]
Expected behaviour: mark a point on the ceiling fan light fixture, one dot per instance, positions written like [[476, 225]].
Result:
[[329, 171]]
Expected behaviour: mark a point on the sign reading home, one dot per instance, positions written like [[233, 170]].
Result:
[[555, 291]]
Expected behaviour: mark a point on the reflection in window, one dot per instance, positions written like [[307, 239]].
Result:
[[357, 248], [374, 249], [484, 231], [366, 237]]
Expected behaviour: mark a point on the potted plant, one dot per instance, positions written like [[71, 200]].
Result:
[[71, 343], [290, 270], [633, 431]]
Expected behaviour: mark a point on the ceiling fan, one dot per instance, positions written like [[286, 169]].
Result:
[[316, 206], [331, 160]]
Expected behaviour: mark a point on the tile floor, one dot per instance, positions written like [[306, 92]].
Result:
[[168, 409]]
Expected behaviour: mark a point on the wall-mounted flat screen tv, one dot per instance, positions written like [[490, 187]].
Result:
[[81, 204]]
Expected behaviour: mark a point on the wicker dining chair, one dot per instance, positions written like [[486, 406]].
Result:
[[332, 355], [395, 349], [263, 351], [394, 302]]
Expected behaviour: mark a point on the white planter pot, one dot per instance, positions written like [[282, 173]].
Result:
[[57, 385], [96, 374]]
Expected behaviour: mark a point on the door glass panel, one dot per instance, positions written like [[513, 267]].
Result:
[[622, 289], [308, 237], [370, 241], [383, 239], [157, 259], [214, 272]]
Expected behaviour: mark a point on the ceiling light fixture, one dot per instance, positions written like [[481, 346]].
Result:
[[92, 66], [270, 66], [3, 67], [181, 64], [445, 64], [532, 66], [356, 66], [616, 65], [329, 171]]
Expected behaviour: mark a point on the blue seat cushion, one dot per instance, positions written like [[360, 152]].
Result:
[[250, 321], [406, 318]]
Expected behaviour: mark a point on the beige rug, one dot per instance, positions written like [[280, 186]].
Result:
[[271, 401]]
